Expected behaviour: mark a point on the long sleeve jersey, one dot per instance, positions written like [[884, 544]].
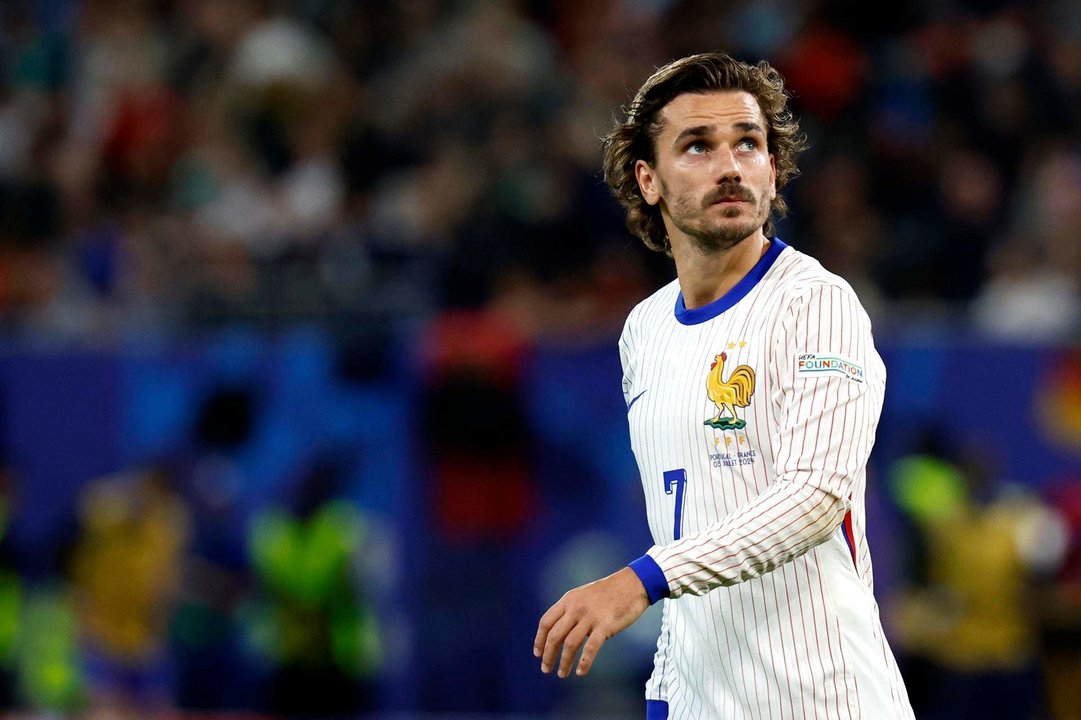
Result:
[[752, 419]]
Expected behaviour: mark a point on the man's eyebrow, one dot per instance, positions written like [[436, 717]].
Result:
[[696, 131], [703, 130], [749, 127]]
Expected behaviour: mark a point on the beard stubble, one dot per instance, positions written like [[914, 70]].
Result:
[[689, 216]]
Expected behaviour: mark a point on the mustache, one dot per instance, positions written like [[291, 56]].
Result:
[[727, 191]]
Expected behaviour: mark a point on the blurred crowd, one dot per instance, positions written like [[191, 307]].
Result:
[[160, 593], [169, 164], [172, 167]]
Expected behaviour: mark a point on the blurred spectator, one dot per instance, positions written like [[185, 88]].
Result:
[[844, 231], [1028, 298], [480, 492], [1034, 289], [318, 628], [1058, 608], [481, 485], [1058, 605], [29, 274], [984, 542], [126, 573], [214, 667], [50, 662]]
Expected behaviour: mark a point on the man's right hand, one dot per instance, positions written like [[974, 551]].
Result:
[[588, 614]]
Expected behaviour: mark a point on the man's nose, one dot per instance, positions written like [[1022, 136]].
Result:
[[726, 166]]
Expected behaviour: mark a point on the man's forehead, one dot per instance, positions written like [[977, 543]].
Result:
[[723, 108]]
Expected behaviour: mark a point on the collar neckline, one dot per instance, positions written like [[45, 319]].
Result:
[[733, 296]]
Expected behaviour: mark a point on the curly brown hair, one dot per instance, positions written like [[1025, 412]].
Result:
[[632, 139]]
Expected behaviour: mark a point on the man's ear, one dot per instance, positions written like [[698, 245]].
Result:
[[648, 182], [772, 176]]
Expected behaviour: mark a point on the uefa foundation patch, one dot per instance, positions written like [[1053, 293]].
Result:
[[811, 365]]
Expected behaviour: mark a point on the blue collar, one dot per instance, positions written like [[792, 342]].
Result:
[[733, 296]]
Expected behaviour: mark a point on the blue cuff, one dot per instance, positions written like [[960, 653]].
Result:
[[649, 572], [656, 710]]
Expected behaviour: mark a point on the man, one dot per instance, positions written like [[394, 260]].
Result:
[[753, 392]]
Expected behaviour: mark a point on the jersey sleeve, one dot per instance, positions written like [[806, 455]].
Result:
[[626, 353], [827, 382]]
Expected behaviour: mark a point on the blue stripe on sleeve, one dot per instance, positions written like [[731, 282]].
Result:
[[649, 572], [656, 710]]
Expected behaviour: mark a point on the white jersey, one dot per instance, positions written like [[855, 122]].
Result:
[[752, 419]]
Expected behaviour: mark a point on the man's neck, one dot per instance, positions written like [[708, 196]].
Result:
[[705, 277]]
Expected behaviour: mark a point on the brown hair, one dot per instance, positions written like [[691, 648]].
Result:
[[632, 139]]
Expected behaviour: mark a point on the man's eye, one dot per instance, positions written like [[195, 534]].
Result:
[[697, 147], [747, 144]]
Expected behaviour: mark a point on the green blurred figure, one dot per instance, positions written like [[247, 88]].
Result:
[[11, 601], [315, 627], [40, 661], [48, 659]]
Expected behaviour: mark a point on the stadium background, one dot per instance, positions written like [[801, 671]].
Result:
[[309, 396]]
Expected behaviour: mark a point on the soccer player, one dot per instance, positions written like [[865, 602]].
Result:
[[753, 391]]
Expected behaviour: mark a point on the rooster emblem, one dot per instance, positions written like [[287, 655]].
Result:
[[730, 394]]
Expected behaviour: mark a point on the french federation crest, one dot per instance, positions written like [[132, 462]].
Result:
[[728, 394]]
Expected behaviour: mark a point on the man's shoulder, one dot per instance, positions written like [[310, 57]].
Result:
[[801, 274], [658, 306]]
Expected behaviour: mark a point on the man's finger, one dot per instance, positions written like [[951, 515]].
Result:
[[570, 648], [555, 639], [547, 620], [589, 652]]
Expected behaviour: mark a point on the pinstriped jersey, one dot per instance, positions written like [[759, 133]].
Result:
[[752, 419]]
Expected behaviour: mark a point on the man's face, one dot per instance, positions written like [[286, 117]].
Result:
[[713, 176]]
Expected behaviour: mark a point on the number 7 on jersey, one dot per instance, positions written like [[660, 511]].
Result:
[[676, 480]]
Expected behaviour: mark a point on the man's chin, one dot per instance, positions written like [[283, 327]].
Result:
[[723, 236], [718, 242]]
